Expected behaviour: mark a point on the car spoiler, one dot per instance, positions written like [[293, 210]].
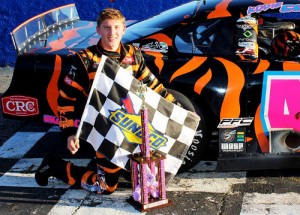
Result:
[[41, 24], [38, 28]]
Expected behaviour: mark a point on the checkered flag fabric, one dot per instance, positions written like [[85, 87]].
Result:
[[111, 121]]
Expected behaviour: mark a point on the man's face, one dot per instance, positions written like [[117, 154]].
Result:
[[111, 32]]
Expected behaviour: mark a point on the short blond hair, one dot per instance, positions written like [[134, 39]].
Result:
[[110, 13]]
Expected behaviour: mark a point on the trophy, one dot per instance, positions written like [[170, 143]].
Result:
[[147, 169]]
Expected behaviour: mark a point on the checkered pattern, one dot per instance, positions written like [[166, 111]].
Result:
[[111, 86]]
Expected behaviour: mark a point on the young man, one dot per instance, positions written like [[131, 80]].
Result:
[[77, 83]]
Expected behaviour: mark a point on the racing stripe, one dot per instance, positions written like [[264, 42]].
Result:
[[190, 66], [236, 80], [65, 96], [52, 89], [291, 66], [262, 66], [201, 83], [158, 59], [79, 87], [220, 10], [65, 109]]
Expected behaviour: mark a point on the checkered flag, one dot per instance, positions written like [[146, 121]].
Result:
[[111, 120]]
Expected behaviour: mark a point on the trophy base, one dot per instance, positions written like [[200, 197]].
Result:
[[153, 204]]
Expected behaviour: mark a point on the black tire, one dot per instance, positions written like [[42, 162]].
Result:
[[196, 150]]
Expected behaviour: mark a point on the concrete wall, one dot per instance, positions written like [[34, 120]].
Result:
[[15, 12]]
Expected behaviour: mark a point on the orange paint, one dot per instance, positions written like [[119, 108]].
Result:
[[158, 59], [202, 82], [190, 66], [67, 35], [262, 66], [259, 132], [61, 43], [248, 139], [291, 66], [52, 89], [267, 1], [220, 10], [236, 80]]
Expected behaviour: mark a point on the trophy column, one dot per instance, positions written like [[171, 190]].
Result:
[[147, 170]]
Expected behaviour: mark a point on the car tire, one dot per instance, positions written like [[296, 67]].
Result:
[[196, 150]]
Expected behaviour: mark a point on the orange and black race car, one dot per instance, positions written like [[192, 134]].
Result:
[[234, 62]]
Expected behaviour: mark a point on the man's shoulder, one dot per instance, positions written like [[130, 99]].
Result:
[[92, 48], [132, 49]]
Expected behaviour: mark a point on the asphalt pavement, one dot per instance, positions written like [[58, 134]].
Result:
[[201, 190]]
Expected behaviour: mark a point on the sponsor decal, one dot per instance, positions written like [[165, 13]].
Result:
[[72, 70], [20, 106], [264, 7], [130, 126], [228, 135], [68, 80], [288, 8], [232, 140], [95, 65], [283, 8], [244, 26], [128, 60], [235, 122], [155, 47], [280, 101], [52, 119], [136, 45]]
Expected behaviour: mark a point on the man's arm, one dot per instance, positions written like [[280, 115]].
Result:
[[73, 85]]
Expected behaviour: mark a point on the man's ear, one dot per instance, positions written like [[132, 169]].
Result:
[[124, 29], [98, 30]]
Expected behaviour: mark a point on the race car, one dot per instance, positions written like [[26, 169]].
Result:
[[235, 63]]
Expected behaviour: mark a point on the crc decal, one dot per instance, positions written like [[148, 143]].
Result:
[[280, 101], [20, 106]]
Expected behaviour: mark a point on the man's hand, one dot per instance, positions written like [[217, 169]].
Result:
[[73, 144]]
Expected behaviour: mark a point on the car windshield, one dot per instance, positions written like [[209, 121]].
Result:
[[163, 20]]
